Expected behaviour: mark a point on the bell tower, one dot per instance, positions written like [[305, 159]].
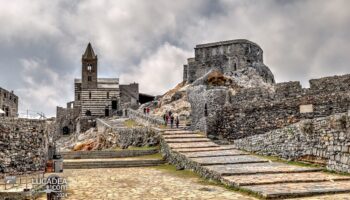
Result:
[[89, 68]]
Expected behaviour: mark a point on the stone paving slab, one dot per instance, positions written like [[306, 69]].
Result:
[[225, 160], [260, 179], [106, 159], [192, 145], [140, 183], [254, 168], [178, 132], [300, 189], [186, 140], [183, 136], [187, 150], [345, 196], [214, 153]]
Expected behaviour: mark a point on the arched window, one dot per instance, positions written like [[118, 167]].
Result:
[[89, 68], [235, 66], [107, 95], [89, 95]]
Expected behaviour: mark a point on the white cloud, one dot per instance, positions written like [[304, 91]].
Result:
[[160, 71], [148, 41]]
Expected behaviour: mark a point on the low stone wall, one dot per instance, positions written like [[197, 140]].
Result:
[[24, 144], [123, 137], [144, 119], [324, 140]]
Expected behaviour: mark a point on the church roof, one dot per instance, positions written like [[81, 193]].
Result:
[[89, 52]]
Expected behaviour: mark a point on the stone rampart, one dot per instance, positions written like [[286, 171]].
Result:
[[251, 111], [24, 144], [323, 140]]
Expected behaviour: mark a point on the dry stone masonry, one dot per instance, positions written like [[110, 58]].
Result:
[[323, 140], [24, 144], [229, 102]]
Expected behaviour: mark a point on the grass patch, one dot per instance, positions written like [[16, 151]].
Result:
[[130, 123], [143, 148], [171, 169]]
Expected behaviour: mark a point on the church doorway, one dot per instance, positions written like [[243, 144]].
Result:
[[114, 105], [88, 113]]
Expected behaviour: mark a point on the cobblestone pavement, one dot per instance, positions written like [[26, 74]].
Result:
[[141, 183]]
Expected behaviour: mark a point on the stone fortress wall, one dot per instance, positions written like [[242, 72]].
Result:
[[226, 57], [254, 111], [324, 140], [24, 144]]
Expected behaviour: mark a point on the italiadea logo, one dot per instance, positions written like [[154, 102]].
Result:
[[54, 186]]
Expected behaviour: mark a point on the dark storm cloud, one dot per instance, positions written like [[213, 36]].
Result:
[[42, 41]]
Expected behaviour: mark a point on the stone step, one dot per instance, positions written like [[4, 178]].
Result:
[[214, 153], [292, 190], [107, 154], [110, 163], [227, 160], [192, 145], [188, 150], [178, 132], [187, 140], [263, 179], [258, 168], [179, 136]]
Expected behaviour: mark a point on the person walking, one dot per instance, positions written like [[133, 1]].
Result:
[[177, 121], [165, 119], [144, 110], [148, 111], [172, 121]]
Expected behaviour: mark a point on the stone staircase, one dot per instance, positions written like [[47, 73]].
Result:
[[235, 168], [110, 159], [111, 163]]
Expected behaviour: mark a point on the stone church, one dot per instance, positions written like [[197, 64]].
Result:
[[101, 96], [95, 97]]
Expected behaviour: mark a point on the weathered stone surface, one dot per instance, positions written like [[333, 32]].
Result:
[[225, 160], [262, 179], [322, 140], [186, 140], [24, 144], [267, 168], [192, 145], [214, 153], [300, 189], [206, 149]]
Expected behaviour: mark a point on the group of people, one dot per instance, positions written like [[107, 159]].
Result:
[[169, 118], [146, 111]]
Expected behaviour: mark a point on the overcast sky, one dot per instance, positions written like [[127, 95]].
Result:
[[148, 41]]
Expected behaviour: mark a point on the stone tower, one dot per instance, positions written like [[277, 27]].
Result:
[[89, 68]]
